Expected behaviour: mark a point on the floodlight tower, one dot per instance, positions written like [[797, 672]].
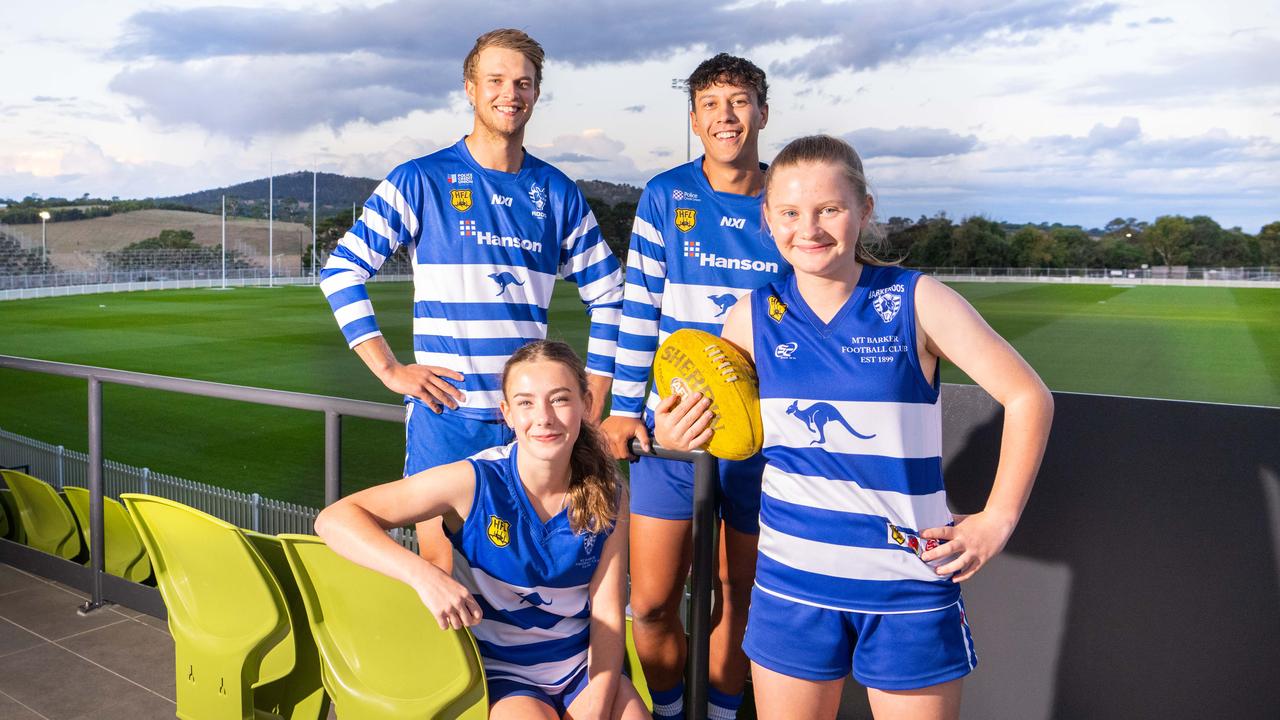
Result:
[[683, 86], [44, 248]]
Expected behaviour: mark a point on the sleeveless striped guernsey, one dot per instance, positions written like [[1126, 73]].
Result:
[[531, 579], [853, 443]]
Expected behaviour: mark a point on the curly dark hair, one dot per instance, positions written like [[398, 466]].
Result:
[[730, 70]]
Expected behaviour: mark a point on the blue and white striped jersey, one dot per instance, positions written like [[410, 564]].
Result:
[[694, 252], [531, 579], [853, 444], [486, 249]]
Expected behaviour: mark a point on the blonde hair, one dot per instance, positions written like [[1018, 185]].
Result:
[[824, 149], [511, 39], [593, 474]]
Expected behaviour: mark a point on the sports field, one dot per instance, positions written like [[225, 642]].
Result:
[[1208, 344]]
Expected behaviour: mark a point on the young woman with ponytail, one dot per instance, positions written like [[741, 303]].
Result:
[[542, 524]]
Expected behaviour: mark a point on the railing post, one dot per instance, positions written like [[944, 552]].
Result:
[[146, 481], [62, 470], [255, 516], [706, 470], [97, 544], [332, 457]]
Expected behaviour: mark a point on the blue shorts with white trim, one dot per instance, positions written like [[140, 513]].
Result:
[[432, 439], [898, 651]]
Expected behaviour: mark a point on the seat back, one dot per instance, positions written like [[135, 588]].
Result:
[[384, 655], [226, 610], [299, 695], [125, 556], [635, 670], [46, 520], [9, 507], [4, 515]]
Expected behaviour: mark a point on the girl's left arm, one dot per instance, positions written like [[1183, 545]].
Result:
[[953, 330], [608, 624]]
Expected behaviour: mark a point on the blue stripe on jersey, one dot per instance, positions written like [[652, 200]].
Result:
[[834, 527], [524, 618], [449, 211], [538, 652], [479, 311], [910, 476], [716, 246], [873, 595]]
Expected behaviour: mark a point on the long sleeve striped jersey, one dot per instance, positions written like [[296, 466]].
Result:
[[486, 249], [694, 251]]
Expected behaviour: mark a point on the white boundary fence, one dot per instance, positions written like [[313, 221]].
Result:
[[1264, 277], [61, 467], [93, 283]]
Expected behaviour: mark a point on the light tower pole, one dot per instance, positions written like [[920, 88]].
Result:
[[683, 86]]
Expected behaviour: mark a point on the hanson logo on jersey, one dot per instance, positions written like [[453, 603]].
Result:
[[732, 263], [467, 228]]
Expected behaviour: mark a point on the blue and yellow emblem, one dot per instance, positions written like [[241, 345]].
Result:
[[686, 218], [777, 308], [460, 200], [499, 531]]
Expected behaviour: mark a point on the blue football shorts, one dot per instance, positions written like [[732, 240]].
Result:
[[892, 651], [560, 702], [431, 439], [664, 489]]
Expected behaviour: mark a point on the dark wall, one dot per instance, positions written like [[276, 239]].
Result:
[[1144, 577]]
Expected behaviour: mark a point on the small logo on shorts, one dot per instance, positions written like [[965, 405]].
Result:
[[499, 531]]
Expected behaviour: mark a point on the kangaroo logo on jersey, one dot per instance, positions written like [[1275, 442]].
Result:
[[724, 302], [733, 222], [538, 196], [499, 531], [816, 417], [786, 350], [887, 301], [533, 598], [686, 218], [460, 200], [504, 279], [777, 308]]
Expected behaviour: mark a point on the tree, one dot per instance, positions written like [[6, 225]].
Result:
[[1031, 247], [1169, 239]]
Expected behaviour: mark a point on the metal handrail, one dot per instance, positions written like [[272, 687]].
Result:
[[334, 408]]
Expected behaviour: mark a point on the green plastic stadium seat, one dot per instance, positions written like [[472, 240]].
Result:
[[4, 517], [634, 670], [227, 613], [9, 508], [125, 556], [45, 518], [300, 695], [384, 656]]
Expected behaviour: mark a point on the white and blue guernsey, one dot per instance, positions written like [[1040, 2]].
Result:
[[694, 252], [853, 444], [486, 250], [530, 578]]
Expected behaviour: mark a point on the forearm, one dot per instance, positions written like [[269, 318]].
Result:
[[599, 386], [604, 663], [355, 534], [1027, 419], [377, 356]]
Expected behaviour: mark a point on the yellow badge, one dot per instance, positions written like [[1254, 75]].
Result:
[[460, 200], [686, 218], [896, 535], [499, 531], [777, 308]]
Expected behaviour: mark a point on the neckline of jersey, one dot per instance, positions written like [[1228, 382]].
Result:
[[825, 329], [700, 179], [495, 176], [517, 489]]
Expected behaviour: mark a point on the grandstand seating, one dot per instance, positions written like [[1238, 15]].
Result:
[[227, 613], [46, 520], [18, 260], [125, 556], [384, 655], [9, 508]]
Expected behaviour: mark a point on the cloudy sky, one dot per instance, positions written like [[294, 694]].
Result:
[[1022, 110]]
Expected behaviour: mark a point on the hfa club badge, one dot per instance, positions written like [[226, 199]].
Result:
[[777, 308], [460, 200], [686, 218], [499, 531]]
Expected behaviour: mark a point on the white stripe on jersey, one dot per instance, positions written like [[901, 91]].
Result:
[[550, 676], [353, 311], [491, 364], [500, 633], [846, 496], [379, 225], [901, 430], [537, 288], [645, 264], [693, 304], [629, 389], [478, 329], [576, 234], [564, 601], [391, 195], [844, 561], [356, 275], [646, 230]]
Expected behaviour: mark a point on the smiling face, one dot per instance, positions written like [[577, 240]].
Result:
[[816, 218], [728, 119], [503, 90], [544, 404]]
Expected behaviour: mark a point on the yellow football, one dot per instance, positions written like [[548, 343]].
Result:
[[692, 361]]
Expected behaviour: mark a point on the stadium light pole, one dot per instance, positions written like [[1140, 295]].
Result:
[[224, 242], [315, 170], [271, 219], [683, 86], [44, 248]]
